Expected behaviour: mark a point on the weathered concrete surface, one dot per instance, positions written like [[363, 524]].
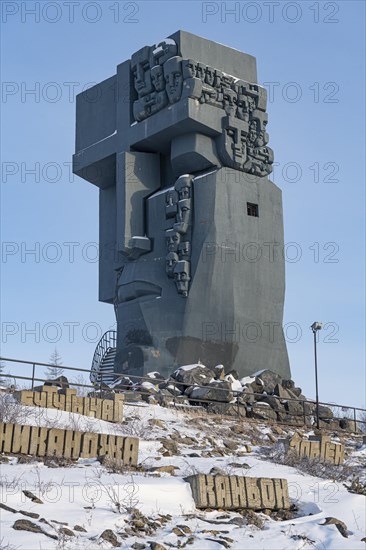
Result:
[[234, 492], [67, 400], [316, 447], [195, 272], [66, 443]]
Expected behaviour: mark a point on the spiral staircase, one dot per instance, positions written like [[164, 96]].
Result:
[[102, 369]]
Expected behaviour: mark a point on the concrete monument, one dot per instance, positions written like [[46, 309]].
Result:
[[191, 229]]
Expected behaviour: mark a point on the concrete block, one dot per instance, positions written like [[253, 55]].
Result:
[[55, 442], [72, 444], [267, 492], [89, 445], [222, 491], [6, 437], [107, 410], [253, 493], [38, 441], [21, 439]]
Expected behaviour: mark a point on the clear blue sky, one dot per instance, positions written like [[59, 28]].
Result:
[[311, 55]]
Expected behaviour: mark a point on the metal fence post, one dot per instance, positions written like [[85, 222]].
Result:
[[33, 372], [304, 411], [355, 418]]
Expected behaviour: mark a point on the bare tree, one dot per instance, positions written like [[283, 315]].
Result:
[[55, 370]]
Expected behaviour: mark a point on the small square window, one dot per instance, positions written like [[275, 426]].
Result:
[[252, 209]]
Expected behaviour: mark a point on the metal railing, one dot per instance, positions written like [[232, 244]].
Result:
[[355, 416], [107, 342]]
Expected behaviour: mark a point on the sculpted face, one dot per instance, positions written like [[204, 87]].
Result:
[[173, 78], [141, 71], [157, 78], [231, 144], [229, 98], [172, 239], [184, 250], [189, 68], [210, 76], [183, 186], [182, 277], [171, 260]]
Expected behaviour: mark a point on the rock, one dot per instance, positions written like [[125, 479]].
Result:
[[235, 385], [66, 532], [164, 397], [7, 508], [268, 380], [219, 372], [177, 532], [215, 391], [171, 386], [189, 375], [272, 401], [341, 526], [262, 411], [247, 395], [60, 382], [170, 445], [33, 497], [109, 536], [226, 409], [348, 424], [26, 525], [80, 529], [297, 391], [288, 384], [325, 412], [294, 408], [230, 444], [138, 546], [157, 546]]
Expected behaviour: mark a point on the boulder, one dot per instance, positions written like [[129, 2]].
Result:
[[268, 380], [60, 382], [228, 409], [325, 413], [215, 391], [189, 375], [171, 386], [273, 402], [247, 395], [234, 382], [262, 411], [288, 384], [294, 408], [348, 424], [219, 371]]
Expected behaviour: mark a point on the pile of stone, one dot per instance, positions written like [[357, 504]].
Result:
[[263, 396]]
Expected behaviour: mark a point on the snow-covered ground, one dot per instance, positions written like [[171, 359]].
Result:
[[88, 494]]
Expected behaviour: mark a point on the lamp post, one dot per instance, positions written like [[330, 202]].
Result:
[[315, 327]]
